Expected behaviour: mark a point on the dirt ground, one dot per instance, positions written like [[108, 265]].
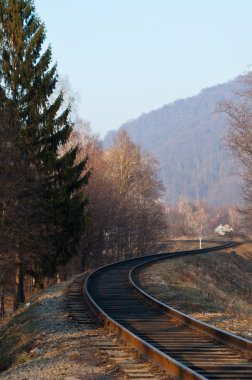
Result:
[[215, 287]]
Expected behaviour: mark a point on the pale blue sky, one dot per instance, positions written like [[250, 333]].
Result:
[[126, 57]]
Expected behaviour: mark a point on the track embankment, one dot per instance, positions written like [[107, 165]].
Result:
[[186, 348]]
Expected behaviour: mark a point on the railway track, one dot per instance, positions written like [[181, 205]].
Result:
[[184, 347]]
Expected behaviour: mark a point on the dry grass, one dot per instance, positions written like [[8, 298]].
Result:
[[180, 245], [17, 337], [215, 287]]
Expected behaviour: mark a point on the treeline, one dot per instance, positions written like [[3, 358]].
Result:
[[66, 204], [42, 201], [123, 217], [195, 219]]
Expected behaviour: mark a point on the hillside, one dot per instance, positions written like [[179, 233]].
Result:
[[187, 139]]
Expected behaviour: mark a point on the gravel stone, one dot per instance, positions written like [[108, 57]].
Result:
[[62, 347]]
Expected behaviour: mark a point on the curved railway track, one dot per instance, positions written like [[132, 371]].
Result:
[[184, 347]]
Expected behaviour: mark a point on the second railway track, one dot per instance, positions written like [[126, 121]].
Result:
[[184, 347]]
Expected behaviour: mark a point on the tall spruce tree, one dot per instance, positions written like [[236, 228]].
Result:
[[53, 186]]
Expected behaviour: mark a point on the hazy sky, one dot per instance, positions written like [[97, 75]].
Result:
[[126, 57]]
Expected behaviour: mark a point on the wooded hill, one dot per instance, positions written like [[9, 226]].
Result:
[[187, 137]]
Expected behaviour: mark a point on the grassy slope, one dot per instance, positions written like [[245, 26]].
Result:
[[17, 338], [216, 287]]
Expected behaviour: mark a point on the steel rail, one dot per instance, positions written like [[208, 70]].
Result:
[[227, 338], [180, 344]]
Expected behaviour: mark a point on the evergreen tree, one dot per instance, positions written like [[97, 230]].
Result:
[[53, 186]]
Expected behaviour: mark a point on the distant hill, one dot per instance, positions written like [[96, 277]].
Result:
[[187, 139]]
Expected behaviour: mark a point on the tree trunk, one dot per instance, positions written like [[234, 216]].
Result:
[[19, 290], [2, 306], [61, 274]]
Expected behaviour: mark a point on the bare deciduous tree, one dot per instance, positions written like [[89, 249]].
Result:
[[124, 191], [193, 217], [239, 140]]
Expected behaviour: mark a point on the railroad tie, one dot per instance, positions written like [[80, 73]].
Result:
[[119, 355]]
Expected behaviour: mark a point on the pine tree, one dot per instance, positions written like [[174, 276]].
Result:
[[53, 186]]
